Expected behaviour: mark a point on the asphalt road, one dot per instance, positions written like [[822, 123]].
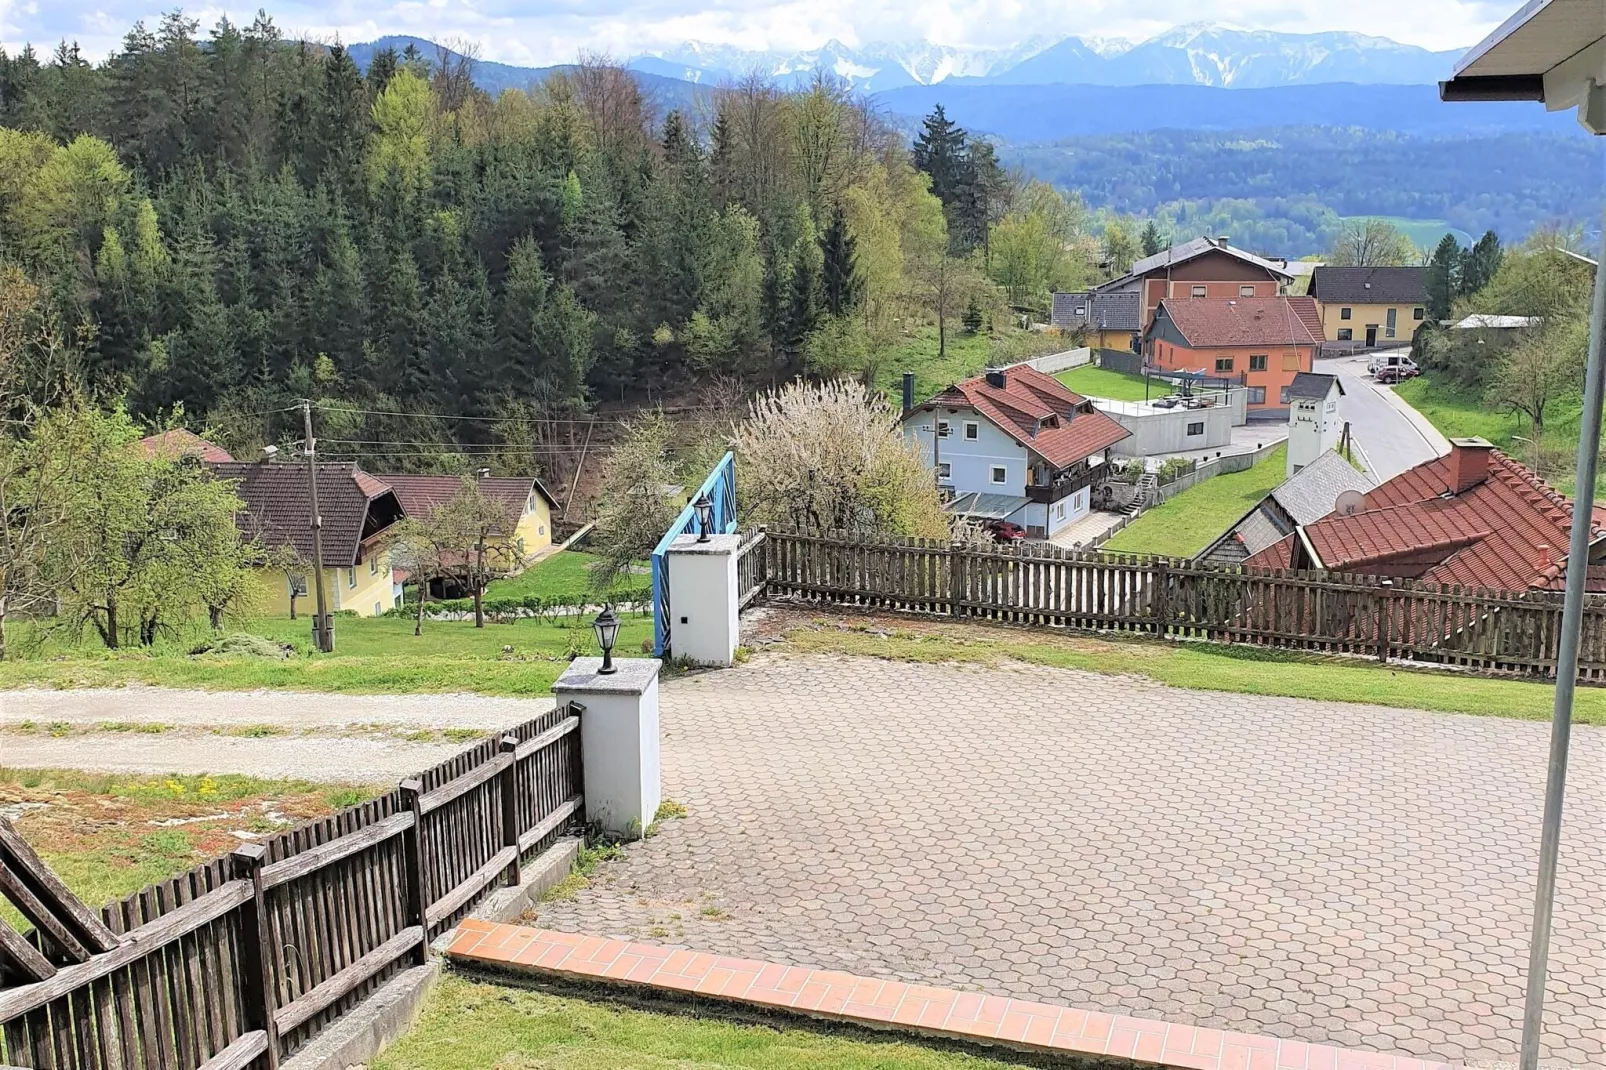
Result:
[[1392, 436]]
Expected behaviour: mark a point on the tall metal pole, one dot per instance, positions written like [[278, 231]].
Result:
[[323, 635], [1572, 621]]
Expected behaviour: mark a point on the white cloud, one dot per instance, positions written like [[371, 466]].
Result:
[[551, 31]]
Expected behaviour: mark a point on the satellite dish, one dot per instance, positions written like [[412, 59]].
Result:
[[1349, 503]]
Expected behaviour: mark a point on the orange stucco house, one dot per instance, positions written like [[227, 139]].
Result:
[[1260, 342]]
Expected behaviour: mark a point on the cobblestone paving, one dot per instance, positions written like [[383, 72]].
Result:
[[1347, 874]]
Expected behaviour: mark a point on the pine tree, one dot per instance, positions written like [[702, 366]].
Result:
[[1442, 280], [1149, 241], [841, 286], [940, 152], [1480, 263]]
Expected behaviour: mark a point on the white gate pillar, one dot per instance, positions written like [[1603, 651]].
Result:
[[703, 597], [618, 740]]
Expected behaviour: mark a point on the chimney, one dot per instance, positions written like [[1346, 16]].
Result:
[[908, 391], [997, 377], [1469, 463], [1544, 556], [1222, 242]]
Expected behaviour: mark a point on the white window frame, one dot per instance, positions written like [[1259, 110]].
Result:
[[351, 578], [972, 430], [945, 470], [1199, 291], [373, 565], [999, 475], [944, 429], [1246, 291]]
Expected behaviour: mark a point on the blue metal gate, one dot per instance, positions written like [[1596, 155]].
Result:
[[720, 486]]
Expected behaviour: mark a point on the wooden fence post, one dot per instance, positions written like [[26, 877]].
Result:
[[509, 782], [1384, 604], [1161, 613], [413, 864], [956, 571], [257, 994]]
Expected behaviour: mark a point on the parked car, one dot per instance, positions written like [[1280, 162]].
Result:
[[1396, 373], [1005, 532]]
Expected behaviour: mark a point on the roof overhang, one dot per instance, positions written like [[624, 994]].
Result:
[[1553, 51]]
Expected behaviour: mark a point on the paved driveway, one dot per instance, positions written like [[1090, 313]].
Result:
[[1342, 873], [1391, 434]]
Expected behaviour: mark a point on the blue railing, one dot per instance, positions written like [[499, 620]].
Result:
[[720, 486]]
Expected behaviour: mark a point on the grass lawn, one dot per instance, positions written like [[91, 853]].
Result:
[[1107, 383], [1201, 666], [966, 355], [1186, 524], [1424, 233], [469, 1025], [103, 834], [564, 577], [372, 656]]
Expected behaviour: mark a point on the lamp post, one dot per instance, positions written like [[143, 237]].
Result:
[[705, 516], [607, 628]]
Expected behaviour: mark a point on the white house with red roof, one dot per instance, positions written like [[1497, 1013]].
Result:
[[1015, 445]]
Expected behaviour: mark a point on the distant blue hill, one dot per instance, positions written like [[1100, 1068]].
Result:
[[1033, 113]]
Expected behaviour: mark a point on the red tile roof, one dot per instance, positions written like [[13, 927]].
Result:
[[1245, 321], [1509, 530], [182, 443], [1028, 397]]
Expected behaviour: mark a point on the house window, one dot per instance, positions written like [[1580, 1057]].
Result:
[[1416, 313], [972, 430], [1223, 364], [1345, 334], [1000, 473], [1257, 395], [1257, 362], [1343, 313], [351, 576], [377, 609], [943, 430], [1201, 291], [1246, 291], [945, 470], [1291, 362], [1196, 428], [1282, 395], [373, 565]]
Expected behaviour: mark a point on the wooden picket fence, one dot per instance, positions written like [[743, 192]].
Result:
[[1493, 631], [242, 961]]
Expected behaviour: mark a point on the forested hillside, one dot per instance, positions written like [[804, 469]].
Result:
[[230, 222]]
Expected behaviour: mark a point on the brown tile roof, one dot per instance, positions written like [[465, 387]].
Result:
[[1245, 321], [182, 443], [422, 495], [1028, 397], [1488, 535], [355, 506]]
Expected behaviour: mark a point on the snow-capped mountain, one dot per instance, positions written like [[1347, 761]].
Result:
[[1196, 54]]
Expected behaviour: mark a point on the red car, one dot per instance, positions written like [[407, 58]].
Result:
[[1005, 532]]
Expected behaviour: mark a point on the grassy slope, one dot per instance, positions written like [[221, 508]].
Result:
[[1202, 666], [1424, 233], [1185, 525], [1104, 383], [372, 656], [468, 1025], [966, 355], [564, 577]]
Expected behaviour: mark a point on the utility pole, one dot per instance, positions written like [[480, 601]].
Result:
[[323, 635]]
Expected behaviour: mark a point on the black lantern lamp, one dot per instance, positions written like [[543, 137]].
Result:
[[705, 516], [607, 628]]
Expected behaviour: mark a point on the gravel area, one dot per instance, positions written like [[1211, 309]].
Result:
[[286, 709]]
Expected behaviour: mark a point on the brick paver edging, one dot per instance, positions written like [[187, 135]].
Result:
[[864, 1001]]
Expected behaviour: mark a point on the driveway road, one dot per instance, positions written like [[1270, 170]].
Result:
[[1392, 435]]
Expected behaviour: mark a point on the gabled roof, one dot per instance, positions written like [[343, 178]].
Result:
[[1508, 530], [1191, 250], [1120, 311], [1244, 321], [1039, 412], [1314, 386], [1369, 285], [1311, 493], [278, 506], [179, 442], [422, 495]]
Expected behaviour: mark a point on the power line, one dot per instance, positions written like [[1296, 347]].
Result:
[[445, 416]]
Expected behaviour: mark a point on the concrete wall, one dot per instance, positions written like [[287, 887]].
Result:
[[971, 461], [1057, 362], [1156, 433], [1120, 361]]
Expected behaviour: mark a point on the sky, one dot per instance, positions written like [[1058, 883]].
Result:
[[536, 32]]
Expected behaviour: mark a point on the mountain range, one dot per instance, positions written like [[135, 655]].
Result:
[[1206, 54]]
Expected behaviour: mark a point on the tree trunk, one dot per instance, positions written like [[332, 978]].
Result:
[[108, 634], [3, 606], [479, 584], [292, 603], [215, 613], [423, 592]]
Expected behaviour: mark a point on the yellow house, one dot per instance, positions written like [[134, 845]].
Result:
[[523, 496], [1370, 306], [357, 512]]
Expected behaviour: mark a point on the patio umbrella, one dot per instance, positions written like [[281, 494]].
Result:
[[1554, 52]]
